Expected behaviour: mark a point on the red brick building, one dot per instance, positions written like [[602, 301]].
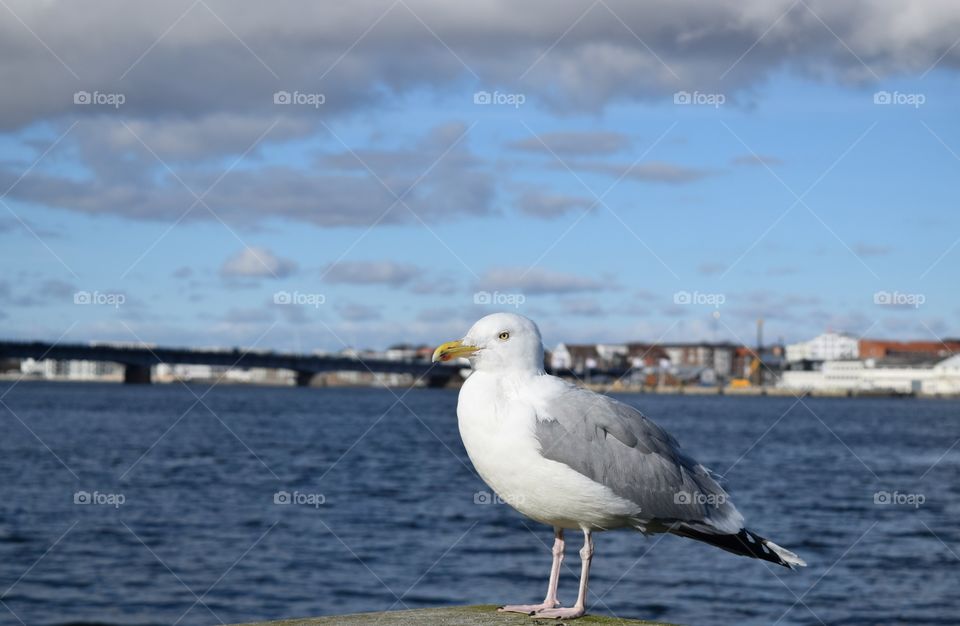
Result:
[[883, 349]]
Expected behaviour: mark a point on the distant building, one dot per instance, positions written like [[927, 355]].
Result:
[[353, 378], [700, 362], [941, 377], [882, 349], [829, 346], [612, 355], [645, 355], [743, 358], [165, 372], [648, 362], [398, 352], [51, 369], [707, 362], [401, 352], [576, 357]]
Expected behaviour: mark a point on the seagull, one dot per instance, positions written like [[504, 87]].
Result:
[[577, 460]]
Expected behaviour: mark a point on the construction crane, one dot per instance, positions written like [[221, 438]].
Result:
[[754, 374]]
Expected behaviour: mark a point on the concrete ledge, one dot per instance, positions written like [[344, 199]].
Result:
[[447, 616]]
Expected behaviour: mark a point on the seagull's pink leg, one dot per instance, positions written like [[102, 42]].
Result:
[[580, 608], [551, 601]]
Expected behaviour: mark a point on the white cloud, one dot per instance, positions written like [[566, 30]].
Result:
[[257, 262]]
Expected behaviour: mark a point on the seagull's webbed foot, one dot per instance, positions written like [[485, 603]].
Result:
[[572, 612], [528, 609]]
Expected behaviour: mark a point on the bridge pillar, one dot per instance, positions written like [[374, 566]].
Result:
[[304, 378], [136, 375]]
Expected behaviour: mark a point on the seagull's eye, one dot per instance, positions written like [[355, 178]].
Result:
[[504, 336]]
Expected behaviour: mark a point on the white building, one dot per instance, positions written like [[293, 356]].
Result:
[[51, 369], [568, 356], [612, 354], [871, 375], [714, 359], [829, 346], [166, 372], [400, 353], [72, 370]]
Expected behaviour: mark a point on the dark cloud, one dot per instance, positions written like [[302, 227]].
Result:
[[548, 205], [649, 171], [181, 59], [539, 281], [199, 80], [574, 143], [372, 273], [191, 139], [438, 179]]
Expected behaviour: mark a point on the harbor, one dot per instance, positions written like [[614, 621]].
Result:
[[831, 364]]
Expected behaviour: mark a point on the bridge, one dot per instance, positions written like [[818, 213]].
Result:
[[138, 360]]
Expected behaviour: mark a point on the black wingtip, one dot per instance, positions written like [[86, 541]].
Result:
[[745, 543]]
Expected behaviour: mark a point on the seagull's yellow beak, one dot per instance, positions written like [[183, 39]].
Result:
[[452, 350]]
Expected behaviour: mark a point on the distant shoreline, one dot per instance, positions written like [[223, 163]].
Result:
[[601, 388]]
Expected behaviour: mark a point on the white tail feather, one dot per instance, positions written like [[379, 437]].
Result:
[[788, 557]]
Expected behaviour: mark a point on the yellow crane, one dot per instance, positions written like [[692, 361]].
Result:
[[743, 383]]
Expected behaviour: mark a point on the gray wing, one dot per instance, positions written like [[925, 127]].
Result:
[[617, 446]]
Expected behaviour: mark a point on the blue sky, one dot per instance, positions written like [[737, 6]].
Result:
[[501, 196]]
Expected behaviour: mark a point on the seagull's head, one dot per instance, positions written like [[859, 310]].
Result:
[[501, 341]]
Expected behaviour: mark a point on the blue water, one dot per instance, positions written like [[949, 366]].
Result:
[[387, 516]]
